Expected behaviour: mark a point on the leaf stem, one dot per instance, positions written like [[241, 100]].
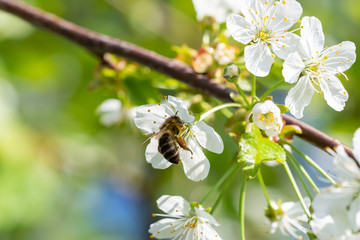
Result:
[[217, 108], [253, 89], [263, 186], [271, 89], [242, 208], [224, 189], [228, 173], [297, 166], [242, 94], [314, 164], [297, 191]]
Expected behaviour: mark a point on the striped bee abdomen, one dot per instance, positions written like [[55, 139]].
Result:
[[168, 148]]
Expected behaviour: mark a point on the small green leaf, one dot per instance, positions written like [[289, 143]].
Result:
[[282, 108], [288, 132], [255, 149]]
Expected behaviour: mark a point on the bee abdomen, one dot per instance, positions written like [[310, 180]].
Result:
[[168, 148]]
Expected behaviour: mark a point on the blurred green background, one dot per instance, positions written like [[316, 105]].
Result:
[[65, 176]]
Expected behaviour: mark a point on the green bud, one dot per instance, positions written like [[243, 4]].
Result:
[[231, 72]]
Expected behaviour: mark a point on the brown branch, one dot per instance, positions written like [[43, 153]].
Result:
[[100, 44]]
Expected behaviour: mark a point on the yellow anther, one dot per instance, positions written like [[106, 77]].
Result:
[[148, 110], [154, 215], [152, 236], [337, 52], [154, 121], [273, 55], [273, 18], [285, 19], [284, 2], [299, 21], [283, 46], [340, 62], [266, 2], [301, 26]]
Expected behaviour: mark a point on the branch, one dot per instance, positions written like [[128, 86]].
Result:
[[100, 44]]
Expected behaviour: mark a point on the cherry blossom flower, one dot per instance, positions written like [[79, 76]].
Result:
[[318, 67], [183, 221], [267, 116], [218, 9], [337, 208], [198, 134], [110, 112], [288, 217], [224, 54], [265, 24]]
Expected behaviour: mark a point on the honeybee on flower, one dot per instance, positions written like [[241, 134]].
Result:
[[186, 137]]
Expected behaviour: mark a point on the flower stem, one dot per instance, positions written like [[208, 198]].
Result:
[[253, 89], [297, 191], [271, 89], [242, 208], [296, 166], [233, 167], [224, 189], [314, 164], [217, 108], [242, 94], [263, 186]]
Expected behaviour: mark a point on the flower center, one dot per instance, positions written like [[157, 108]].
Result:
[[267, 117]]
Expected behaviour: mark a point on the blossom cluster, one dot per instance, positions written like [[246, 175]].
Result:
[[266, 29]]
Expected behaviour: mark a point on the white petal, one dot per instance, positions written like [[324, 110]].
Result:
[[154, 157], [354, 214], [196, 165], [286, 44], [209, 233], [164, 228], [150, 117], [240, 29], [272, 132], [299, 97], [345, 167], [258, 59], [174, 205], [181, 108], [219, 9], [293, 66], [207, 137], [207, 216], [312, 36], [290, 10], [334, 92], [356, 144], [340, 57]]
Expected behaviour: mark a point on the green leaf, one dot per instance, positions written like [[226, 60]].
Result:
[[282, 108], [255, 149]]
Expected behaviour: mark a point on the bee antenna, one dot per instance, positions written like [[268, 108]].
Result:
[[176, 113]]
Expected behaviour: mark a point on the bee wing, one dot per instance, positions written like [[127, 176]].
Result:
[[156, 135]]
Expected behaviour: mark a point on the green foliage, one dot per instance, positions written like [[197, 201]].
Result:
[[255, 149]]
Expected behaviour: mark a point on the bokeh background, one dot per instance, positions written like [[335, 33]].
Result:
[[63, 175]]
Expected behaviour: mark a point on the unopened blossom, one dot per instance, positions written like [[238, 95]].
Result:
[[183, 221], [317, 67], [197, 135], [110, 112], [264, 24], [288, 217], [337, 208], [218, 9], [231, 73], [267, 116]]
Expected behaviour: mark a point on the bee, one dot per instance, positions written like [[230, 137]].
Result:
[[170, 137]]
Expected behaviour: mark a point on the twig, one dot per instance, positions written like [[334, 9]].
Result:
[[100, 44]]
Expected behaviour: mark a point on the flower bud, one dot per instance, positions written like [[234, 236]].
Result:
[[231, 72]]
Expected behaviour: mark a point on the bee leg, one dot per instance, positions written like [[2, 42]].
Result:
[[182, 144]]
